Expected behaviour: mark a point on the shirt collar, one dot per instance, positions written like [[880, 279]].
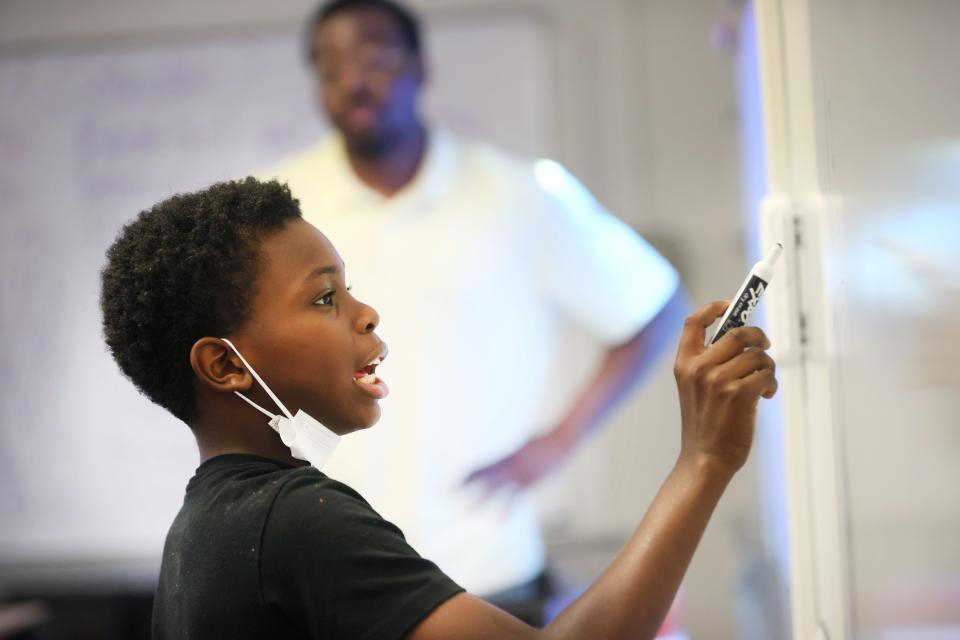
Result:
[[434, 178], [431, 182]]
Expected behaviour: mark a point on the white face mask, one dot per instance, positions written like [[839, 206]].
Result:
[[307, 439]]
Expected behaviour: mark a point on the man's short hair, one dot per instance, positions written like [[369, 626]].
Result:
[[407, 22], [183, 270]]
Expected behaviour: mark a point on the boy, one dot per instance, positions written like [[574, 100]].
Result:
[[224, 304]]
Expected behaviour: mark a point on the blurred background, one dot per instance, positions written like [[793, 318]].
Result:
[[711, 126]]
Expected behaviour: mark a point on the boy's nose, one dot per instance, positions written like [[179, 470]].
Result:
[[368, 319]]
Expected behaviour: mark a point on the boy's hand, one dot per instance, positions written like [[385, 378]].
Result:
[[719, 388]]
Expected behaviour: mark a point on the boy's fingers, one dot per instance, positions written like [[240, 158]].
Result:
[[695, 328], [745, 363], [735, 341], [762, 383]]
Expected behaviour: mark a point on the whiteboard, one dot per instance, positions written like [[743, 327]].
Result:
[[92, 474], [885, 101], [863, 164]]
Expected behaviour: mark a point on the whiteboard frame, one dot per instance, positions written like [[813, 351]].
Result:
[[797, 212]]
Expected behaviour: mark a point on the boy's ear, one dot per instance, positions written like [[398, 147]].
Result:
[[218, 367]]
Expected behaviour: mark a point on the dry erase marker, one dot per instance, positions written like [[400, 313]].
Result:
[[749, 294]]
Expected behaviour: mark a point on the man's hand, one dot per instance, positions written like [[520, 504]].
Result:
[[719, 389], [528, 464], [621, 370]]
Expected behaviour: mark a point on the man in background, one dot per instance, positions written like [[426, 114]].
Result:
[[507, 252]]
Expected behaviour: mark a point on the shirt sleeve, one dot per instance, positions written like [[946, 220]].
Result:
[[592, 266], [337, 569]]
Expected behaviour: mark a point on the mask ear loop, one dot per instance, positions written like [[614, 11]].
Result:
[[253, 404], [256, 376]]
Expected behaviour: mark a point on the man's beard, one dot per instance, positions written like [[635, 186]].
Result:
[[372, 145]]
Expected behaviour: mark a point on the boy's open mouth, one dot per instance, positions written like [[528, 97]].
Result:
[[366, 376]]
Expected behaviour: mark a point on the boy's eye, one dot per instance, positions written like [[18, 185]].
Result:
[[325, 300]]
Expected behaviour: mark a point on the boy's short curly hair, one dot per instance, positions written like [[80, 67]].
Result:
[[183, 270]]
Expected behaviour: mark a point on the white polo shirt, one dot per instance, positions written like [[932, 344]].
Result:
[[474, 268]]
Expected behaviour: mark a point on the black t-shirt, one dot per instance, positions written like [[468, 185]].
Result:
[[264, 550]]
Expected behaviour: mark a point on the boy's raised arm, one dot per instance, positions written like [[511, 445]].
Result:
[[719, 389]]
